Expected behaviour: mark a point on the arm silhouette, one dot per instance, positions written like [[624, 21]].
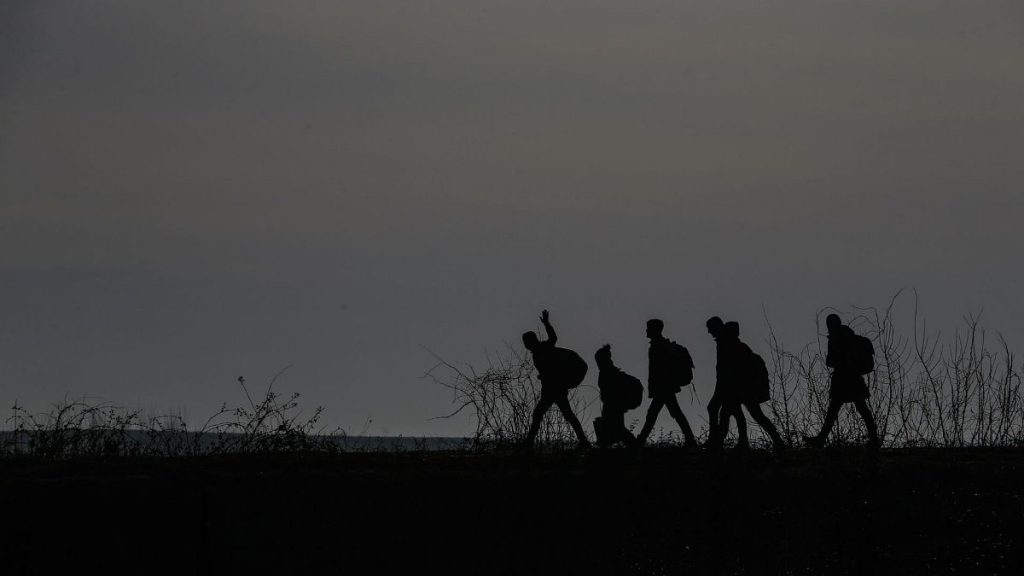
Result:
[[552, 337]]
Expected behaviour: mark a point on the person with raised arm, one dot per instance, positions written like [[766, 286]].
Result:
[[559, 370]]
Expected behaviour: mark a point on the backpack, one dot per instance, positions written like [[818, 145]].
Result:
[[631, 392], [862, 355], [680, 365], [757, 379], [569, 368]]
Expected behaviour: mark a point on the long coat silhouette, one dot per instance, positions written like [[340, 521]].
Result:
[[847, 383]]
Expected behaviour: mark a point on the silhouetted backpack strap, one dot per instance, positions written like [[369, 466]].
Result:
[[757, 378], [681, 364], [632, 391], [862, 354], [569, 368]]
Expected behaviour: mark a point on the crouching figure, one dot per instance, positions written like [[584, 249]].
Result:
[[620, 393]]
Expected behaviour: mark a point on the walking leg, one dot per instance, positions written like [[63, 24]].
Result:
[[627, 436], [715, 423], [574, 422], [538, 415], [742, 440], [869, 423], [830, 419], [673, 408], [766, 424], [652, 417], [617, 427]]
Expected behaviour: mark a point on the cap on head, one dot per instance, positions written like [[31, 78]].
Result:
[[833, 321]]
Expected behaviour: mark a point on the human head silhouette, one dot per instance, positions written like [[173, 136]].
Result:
[[530, 340], [731, 329], [603, 356], [714, 325], [833, 322], [654, 328]]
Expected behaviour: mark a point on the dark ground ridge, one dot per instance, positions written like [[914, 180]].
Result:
[[657, 511]]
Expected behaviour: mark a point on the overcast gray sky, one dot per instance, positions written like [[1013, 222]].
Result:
[[192, 191]]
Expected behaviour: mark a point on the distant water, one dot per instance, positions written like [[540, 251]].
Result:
[[402, 443], [172, 443]]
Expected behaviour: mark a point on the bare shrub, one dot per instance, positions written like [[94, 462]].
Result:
[[925, 391], [500, 399], [273, 424], [87, 428], [74, 428], [964, 390]]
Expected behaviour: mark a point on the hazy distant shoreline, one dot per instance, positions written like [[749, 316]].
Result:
[[207, 441]]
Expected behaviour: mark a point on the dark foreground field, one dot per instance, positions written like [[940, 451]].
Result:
[[658, 512]]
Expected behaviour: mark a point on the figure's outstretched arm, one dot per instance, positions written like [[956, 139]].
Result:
[[552, 337]]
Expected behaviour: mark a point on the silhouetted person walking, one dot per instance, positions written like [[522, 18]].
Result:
[[851, 357], [670, 368], [620, 393], [559, 370], [725, 402], [749, 373]]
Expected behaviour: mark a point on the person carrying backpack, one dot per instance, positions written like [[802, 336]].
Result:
[[851, 357], [620, 393], [725, 395], [749, 382], [559, 370], [670, 368]]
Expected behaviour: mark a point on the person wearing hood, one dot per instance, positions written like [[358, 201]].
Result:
[[851, 357]]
